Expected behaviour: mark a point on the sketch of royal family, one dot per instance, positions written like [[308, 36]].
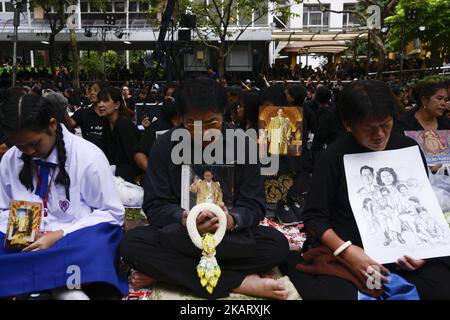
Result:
[[369, 189], [207, 190], [391, 209]]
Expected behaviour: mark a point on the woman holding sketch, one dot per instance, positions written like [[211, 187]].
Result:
[[367, 110]]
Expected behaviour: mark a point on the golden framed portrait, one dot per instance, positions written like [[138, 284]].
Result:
[[23, 224], [280, 130]]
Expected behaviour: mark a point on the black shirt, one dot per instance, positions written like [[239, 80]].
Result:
[[162, 197], [408, 122], [130, 102], [327, 204], [329, 129], [91, 125], [304, 162], [2, 137], [118, 146], [149, 137]]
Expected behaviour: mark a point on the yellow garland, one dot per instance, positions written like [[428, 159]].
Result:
[[208, 269]]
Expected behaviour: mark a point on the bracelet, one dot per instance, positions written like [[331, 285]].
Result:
[[342, 248]]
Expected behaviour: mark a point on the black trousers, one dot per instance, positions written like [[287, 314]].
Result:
[[168, 255], [432, 281]]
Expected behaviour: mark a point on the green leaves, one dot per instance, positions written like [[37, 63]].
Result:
[[433, 14]]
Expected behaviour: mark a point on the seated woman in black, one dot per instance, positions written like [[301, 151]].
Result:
[[431, 98], [119, 135], [89, 119], [367, 110], [163, 251]]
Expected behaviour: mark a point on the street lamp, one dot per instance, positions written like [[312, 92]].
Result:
[[422, 28], [17, 10], [109, 22]]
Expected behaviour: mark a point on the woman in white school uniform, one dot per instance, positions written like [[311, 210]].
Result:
[[82, 213]]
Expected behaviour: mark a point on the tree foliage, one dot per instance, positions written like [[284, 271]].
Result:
[[220, 23], [434, 15]]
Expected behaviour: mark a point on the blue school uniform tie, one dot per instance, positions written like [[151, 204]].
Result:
[[43, 173]]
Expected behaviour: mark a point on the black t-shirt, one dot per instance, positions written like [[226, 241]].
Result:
[[163, 190], [84, 102], [149, 137], [91, 125], [130, 102], [2, 137], [327, 204], [119, 145], [329, 129]]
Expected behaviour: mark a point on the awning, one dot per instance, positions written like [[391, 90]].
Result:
[[314, 47], [295, 35], [332, 42]]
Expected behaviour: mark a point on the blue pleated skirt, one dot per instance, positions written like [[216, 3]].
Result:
[[93, 251]]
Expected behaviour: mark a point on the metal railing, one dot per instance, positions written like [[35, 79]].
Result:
[[413, 73]]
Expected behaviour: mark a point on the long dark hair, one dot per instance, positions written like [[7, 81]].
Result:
[[27, 112]]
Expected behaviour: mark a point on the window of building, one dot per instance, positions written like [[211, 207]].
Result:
[[93, 7], [108, 7], [9, 7], [349, 18], [133, 6], [245, 17], [314, 17], [84, 7], [263, 20], [143, 7], [119, 6]]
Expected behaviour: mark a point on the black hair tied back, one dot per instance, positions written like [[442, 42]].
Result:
[[63, 177]]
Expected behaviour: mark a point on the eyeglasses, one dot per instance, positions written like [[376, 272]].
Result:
[[216, 124]]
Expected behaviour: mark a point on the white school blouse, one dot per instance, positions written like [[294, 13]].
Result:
[[93, 194]]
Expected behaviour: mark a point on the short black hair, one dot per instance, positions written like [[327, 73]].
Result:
[[366, 98], [274, 95], [298, 92], [202, 94], [323, 94], [366, 168], [426, 89]]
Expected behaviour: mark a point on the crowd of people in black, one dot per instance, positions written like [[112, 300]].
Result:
[[338, 118]]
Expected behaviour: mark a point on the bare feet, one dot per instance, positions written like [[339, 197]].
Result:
[[254, 285], [140, 280]]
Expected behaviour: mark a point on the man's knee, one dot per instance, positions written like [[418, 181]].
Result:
[[276, 245], [131, 244]]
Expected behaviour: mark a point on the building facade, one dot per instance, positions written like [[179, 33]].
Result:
[[134, 28]]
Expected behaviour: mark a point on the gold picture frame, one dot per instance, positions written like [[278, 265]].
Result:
[[23, 224]]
